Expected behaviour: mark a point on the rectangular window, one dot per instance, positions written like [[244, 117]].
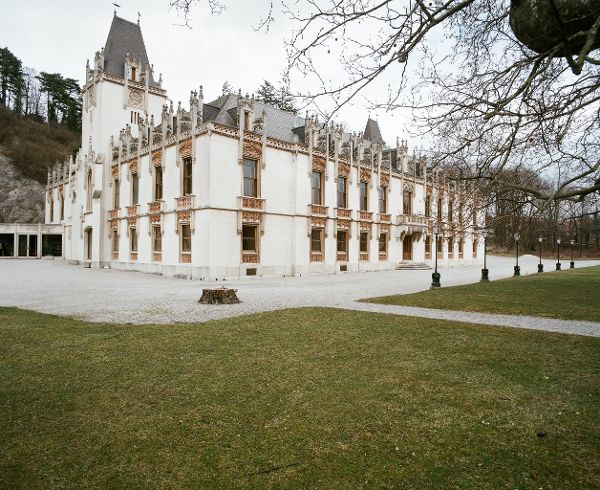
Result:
[[428, 245], [187, 176], [133, 70], [440, 207], [364, 242], [342, 197], [428, 206], [156, 239], [249, 238], [460, 213], [186, 239], [158, 183], [342, 241], [115, 241], [117, 194], [133, 240], [250, 178], [62, 207], [135, 189], [364, 197], [316, 186], [450, 247], [383, 199], [474, 248], [316, 241], [383, 243], [438, 246], [460, 248], [51, 205], [407, 202], [450, 211]]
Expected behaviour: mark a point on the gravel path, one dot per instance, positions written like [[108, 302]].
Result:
[[53, 286]]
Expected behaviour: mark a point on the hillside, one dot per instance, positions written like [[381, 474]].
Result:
[[27, 149]]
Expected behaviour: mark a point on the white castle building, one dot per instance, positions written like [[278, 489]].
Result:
[[234, 187]]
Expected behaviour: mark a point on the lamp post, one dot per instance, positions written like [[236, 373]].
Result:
[[484, 271], [540, 265], [572, 266], [558, 254], [435, 277], [517, 268]]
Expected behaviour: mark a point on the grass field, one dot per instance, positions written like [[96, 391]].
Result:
[[304, 398], [572, 294]]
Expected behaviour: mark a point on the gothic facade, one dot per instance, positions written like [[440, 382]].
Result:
[[234, 187]]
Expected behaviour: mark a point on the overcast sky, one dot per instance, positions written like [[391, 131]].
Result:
[[60, 35]]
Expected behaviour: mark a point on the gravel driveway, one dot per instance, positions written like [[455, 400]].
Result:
[[53, 286]]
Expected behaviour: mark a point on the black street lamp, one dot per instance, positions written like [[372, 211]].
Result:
[[558, 254], [484, 271], [517, 268], [435, 277], [540, 265], [572, 266]]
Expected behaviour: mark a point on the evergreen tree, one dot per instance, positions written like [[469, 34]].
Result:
[[267, 94], [63, 97], [11, 80], [285, 101]]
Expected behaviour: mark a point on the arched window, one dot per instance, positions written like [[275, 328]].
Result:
[[90, 191]]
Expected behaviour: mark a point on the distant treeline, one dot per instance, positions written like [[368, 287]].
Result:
[[44, 97]]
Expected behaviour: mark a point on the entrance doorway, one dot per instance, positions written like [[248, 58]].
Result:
[[407, 248], [88, 244], [27, 245]]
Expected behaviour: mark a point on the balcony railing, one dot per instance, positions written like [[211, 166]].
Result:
[[316, 257], [317, 209], [365, 215], [184, 202], [341, 256], [252, 203], [132, 210], [412, 219], [113, 213], [250, 258], [385, 218], [363, 257], [343, 213]]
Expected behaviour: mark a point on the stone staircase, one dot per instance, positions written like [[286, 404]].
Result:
[[412, 266]]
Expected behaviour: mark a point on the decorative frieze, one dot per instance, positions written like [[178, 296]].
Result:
[[343, 169], [343, 223], [365, 174], [250, 258], [251, 217], [365, 226], [318, 221]]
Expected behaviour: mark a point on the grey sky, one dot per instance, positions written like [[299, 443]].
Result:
[[59, 35]]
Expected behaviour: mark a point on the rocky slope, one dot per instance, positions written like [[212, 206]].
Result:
[[21, 198]]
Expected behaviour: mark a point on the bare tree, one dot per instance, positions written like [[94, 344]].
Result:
[[494, 86]]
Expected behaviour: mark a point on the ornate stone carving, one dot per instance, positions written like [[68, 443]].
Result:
[[316, 257], [185, 148], [133, 165], [251, 216], [343, 213], [363, 257], [186, 258], [156, 158], [131, 220], [343, 223], [318, 163], [250, 258], [384, 228], [341, 257], [343, 169], [317, 209], [365, 215], [155, 218], [184, 215], [115, 171], [384, 180], [365, 226], [252, 149], [135, 98], [365, 174], [252, 203], [317, 221]]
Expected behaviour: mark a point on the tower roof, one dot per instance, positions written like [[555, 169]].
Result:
[[372, 132], [124, 36]]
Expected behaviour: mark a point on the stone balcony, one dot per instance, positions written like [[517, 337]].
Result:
[[412, 220], [343, 213], [365, 215], [113, 214], [385, 218], [132, 210], [184, 202], [252, 203], [317, 210]]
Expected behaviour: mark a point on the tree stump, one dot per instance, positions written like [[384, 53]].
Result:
[[219, 296]]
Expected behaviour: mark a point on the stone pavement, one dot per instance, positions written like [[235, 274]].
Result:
[[53, 286]]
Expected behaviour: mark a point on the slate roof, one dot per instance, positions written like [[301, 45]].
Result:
[[372, 132], [124, 36], [280, 124]]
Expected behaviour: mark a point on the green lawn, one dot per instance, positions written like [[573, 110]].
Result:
[[304, 398], [572, 294]]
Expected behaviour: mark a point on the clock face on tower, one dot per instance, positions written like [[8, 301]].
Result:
[[136, 98]]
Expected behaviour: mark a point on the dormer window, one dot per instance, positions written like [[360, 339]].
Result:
[[133, 73], [247, 120]]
